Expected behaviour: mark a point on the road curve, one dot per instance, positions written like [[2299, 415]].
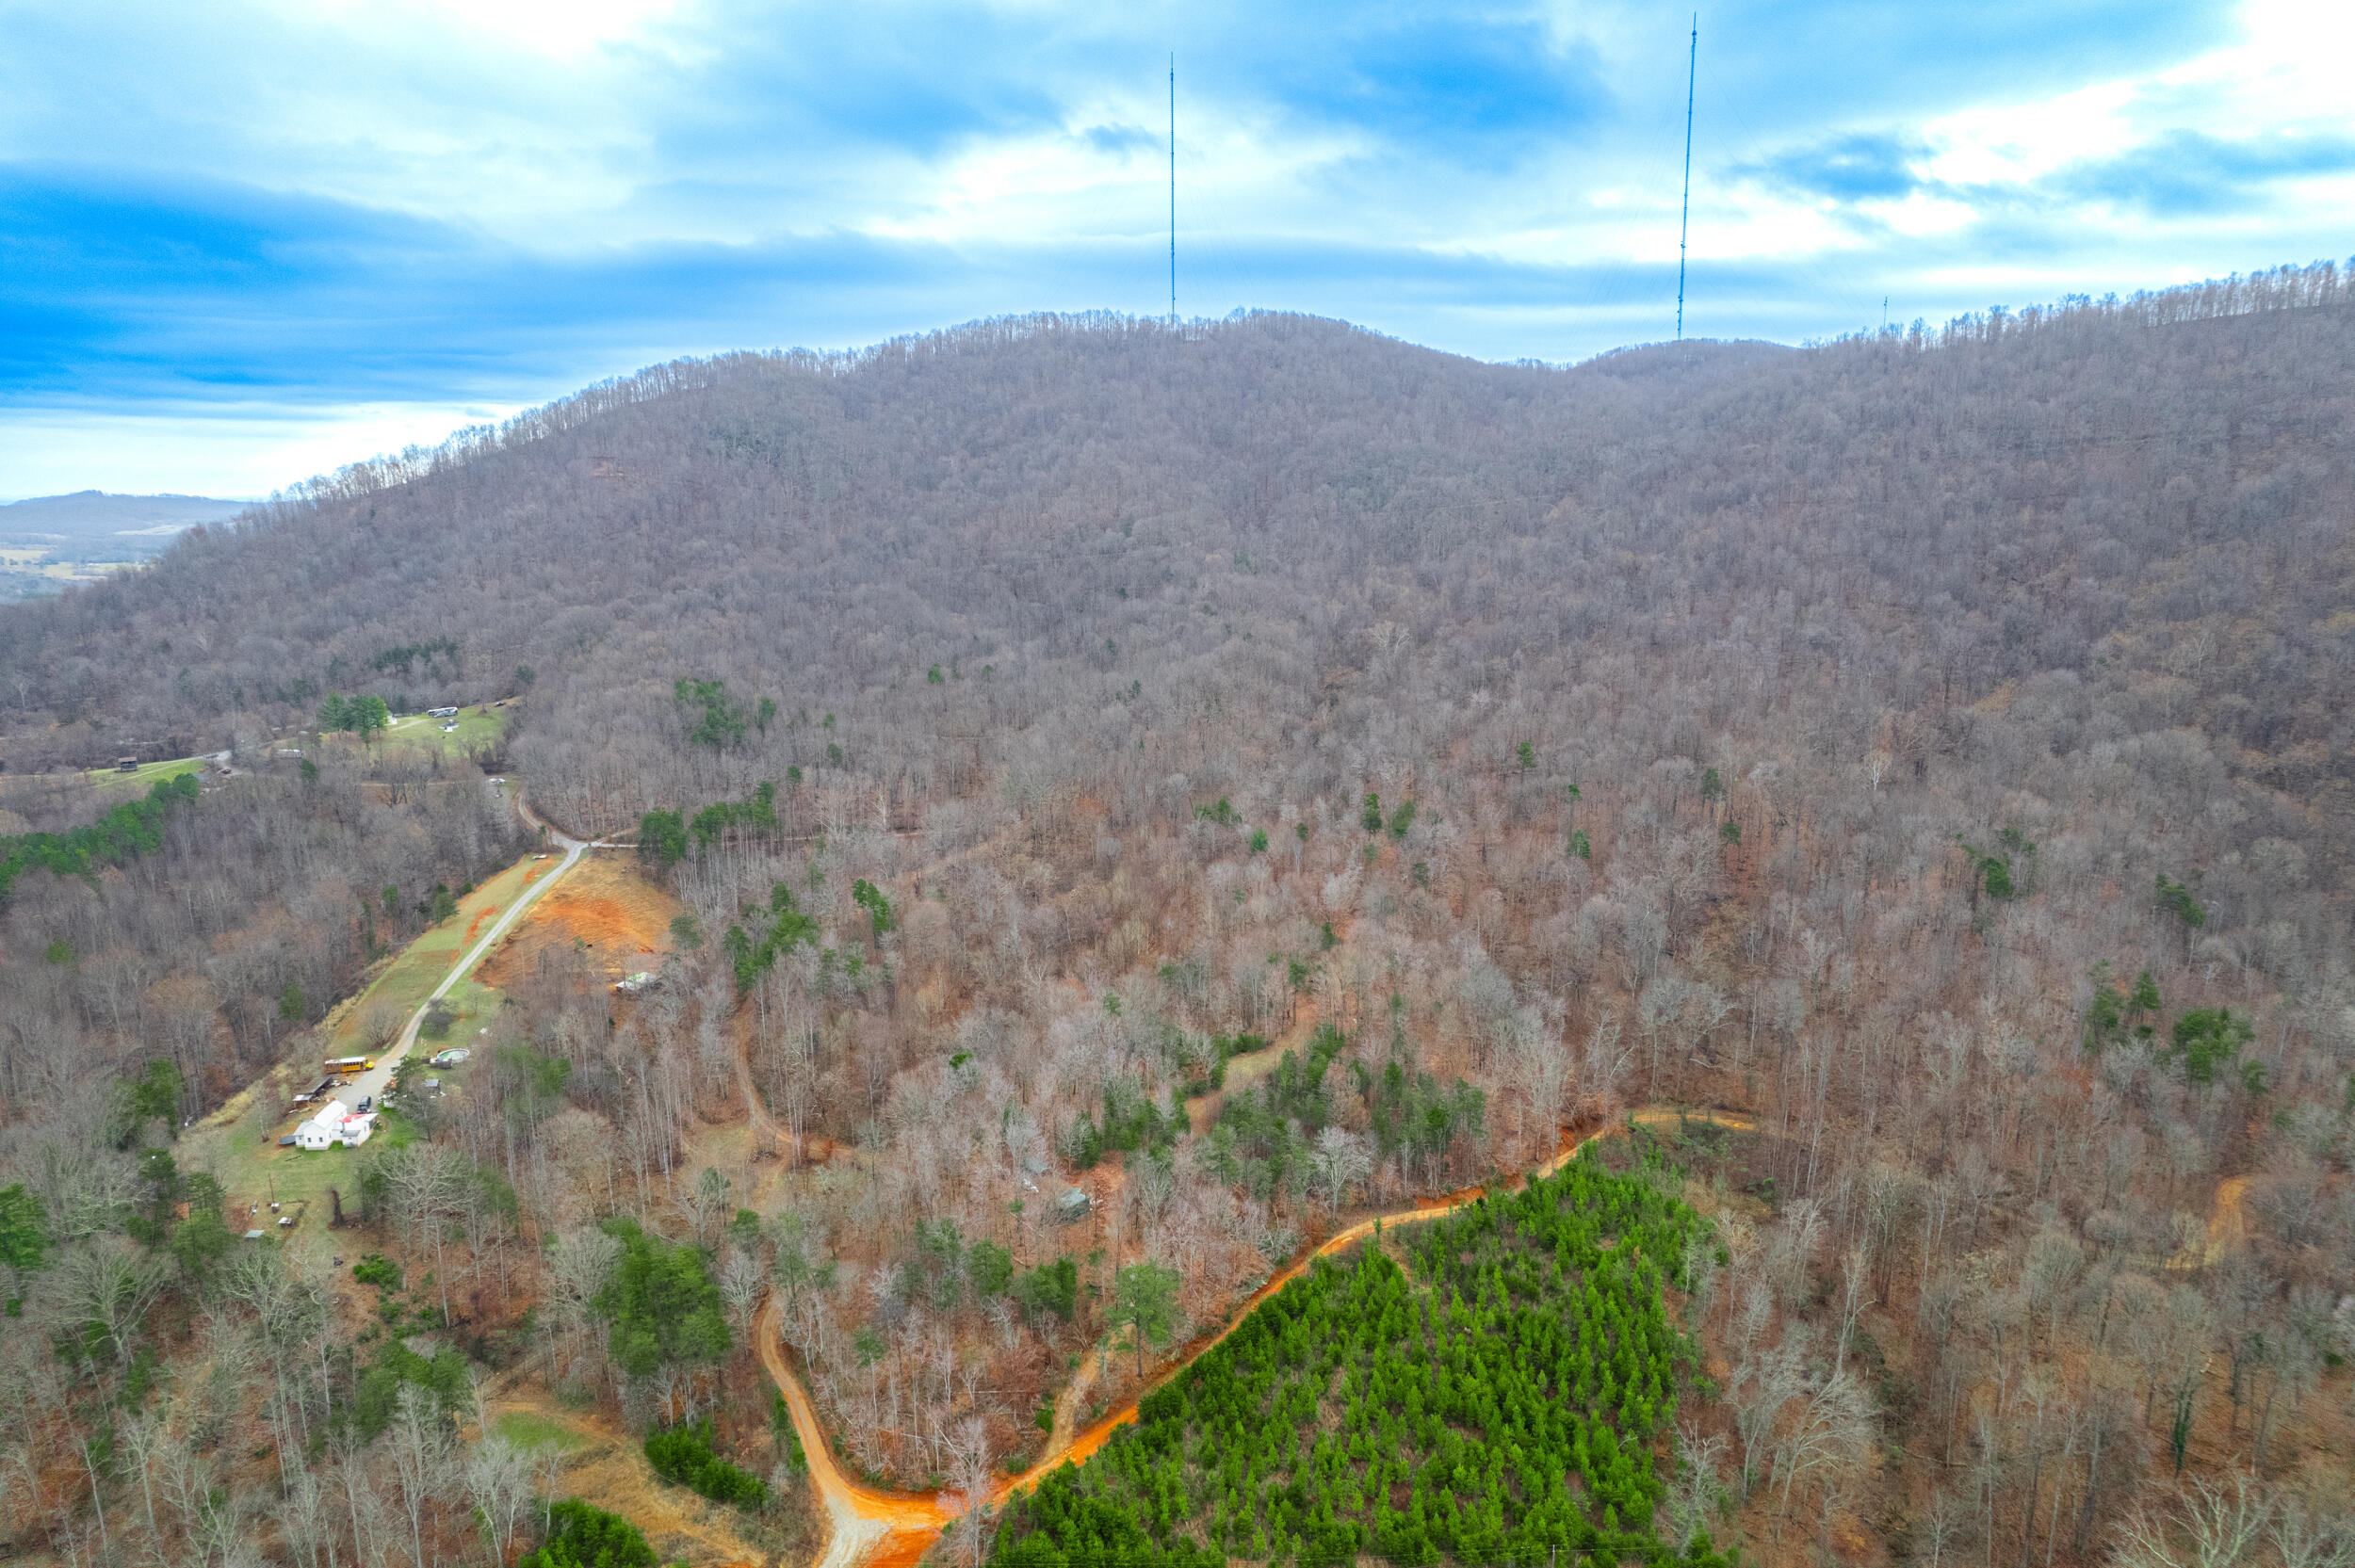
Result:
[[860, 1517], [884, 1529]]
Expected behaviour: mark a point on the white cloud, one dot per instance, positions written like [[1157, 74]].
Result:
[[609, 182], [559, 29], [243, 454], [2286, 76], [1997, 143]]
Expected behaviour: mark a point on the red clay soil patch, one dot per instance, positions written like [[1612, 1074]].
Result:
[[605, 905]]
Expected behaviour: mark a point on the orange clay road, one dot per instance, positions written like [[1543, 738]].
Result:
[[893, 1530]]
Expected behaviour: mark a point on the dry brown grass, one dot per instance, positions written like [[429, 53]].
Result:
[[609, 1470]]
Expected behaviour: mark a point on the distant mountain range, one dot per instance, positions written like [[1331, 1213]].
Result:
[[91, 515]]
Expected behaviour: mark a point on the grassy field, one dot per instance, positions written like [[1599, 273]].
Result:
[[605, 1463], [419, 732], [528, 1428], [476, 1005], [476, 730], [240, 1149], [149, 774], [407, 979]]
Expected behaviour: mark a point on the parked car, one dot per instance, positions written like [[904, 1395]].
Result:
[[365, 1101]]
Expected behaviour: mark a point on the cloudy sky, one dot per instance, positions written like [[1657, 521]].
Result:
[[247, 241]]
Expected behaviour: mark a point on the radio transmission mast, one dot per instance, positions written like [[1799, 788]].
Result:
[[1684, 223], [1173, 186]]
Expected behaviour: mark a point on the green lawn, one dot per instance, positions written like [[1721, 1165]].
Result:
[[393, 1131], [149, 774], [252, 1171], [474, 731], [243, 1154], [408, 979], [476, 1005], [527, 1430]]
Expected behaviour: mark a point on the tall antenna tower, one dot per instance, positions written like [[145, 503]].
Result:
[[1684, 223], [1173, 187]]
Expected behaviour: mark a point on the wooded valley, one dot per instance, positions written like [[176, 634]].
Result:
[[1102, 807]]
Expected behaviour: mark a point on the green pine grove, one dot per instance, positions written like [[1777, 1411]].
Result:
[[683, 1456], [1495, 1398], [128, 830]]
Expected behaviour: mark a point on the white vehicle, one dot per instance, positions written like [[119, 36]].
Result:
[[451, 1057]]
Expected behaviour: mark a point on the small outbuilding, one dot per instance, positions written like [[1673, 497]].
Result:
[[1072, 1205]]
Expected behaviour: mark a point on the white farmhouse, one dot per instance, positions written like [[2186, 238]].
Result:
[[334, 1125]]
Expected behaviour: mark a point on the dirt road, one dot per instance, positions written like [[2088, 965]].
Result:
[[888, 1529], [370, 1084]]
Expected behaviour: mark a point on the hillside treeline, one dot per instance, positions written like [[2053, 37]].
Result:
[[1260, 772], [205, 928]]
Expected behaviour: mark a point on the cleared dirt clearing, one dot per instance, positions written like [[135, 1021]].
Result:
[[605, 906]]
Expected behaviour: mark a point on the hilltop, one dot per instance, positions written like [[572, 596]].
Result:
[[1107, 796], [95, 515]]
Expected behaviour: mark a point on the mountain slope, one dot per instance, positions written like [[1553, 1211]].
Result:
[[2155, 508], [1265, 776]]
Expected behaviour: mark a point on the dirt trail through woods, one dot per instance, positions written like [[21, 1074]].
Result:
[[891, 1530], [2228, 1228], [1202, 1112]]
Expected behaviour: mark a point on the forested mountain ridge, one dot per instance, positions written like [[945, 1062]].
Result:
[[1935, 745], [1945, 511]]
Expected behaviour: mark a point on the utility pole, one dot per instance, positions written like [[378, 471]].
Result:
[[1684, 224], [1173, 187]]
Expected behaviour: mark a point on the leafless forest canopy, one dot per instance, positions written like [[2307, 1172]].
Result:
[[1933, 746]]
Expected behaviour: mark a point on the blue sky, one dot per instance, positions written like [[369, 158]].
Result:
[[245, 242]]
